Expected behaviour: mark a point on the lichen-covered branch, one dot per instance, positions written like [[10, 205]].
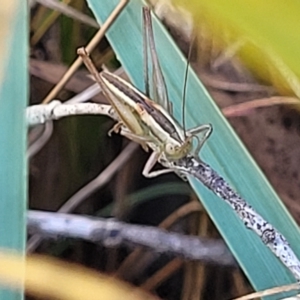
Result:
[[39, 114], [269, 235]]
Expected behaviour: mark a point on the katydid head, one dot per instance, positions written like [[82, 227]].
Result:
[[175, 150]]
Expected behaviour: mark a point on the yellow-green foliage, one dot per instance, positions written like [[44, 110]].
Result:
[[49, 277], [266, 30]]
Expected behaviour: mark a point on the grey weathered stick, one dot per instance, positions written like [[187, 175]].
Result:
[[112, 233], [88, 189]]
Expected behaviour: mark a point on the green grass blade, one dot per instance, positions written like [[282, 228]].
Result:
[[224, 151], [13, 99]]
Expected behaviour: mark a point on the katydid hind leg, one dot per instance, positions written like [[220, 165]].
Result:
[[159, 89], [125, 114], [135, 138]]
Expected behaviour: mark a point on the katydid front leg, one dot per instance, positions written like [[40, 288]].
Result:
[[170, 167], [206, 130], [152, 160]]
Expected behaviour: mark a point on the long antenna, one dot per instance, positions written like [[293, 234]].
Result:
[[145, 50], [185, 83]]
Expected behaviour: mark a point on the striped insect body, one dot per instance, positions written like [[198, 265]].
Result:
[[149, 123]]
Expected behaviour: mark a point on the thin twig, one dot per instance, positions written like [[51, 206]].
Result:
[[41, 141], [69, 11], [91, 45], [90, 188], [166, 223], [242, 87], [243, 108], [161, 275], [272, 291], [181, 212]]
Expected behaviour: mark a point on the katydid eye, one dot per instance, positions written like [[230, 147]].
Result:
[[171, 149]]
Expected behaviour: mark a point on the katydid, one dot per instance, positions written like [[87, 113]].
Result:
[[143, 120]]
